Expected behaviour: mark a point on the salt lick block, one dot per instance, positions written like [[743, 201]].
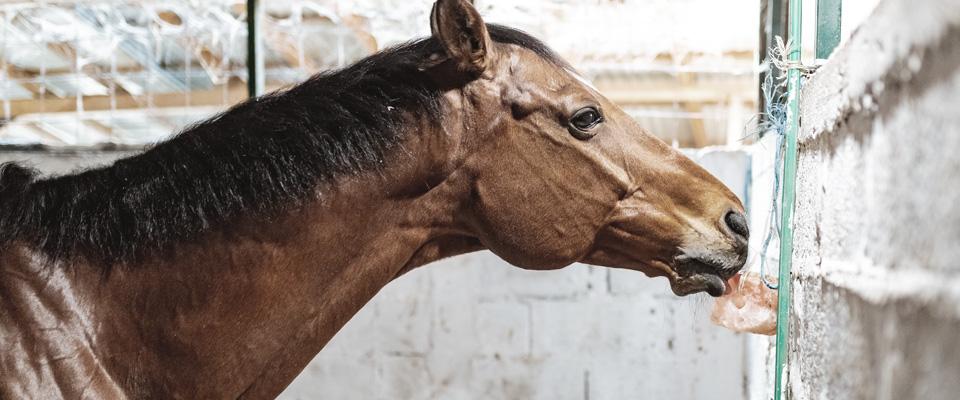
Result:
[[747, 306]]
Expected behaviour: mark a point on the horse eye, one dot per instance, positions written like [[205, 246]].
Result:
[[584, 121]]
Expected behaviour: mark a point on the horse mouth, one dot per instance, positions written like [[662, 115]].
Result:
[[695, 276]]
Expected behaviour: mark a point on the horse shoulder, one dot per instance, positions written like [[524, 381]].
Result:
[[44, 351]]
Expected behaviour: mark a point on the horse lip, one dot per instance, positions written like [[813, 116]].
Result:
[[713, 284], [716, 285], [696, 275], [694, 266]]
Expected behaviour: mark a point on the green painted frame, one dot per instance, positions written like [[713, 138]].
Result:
[[829, 13], [255, 65], [789, 196]]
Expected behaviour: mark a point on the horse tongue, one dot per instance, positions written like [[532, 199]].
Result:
[[730, 283]]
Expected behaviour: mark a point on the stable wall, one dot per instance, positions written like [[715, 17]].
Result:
[[876, 269]]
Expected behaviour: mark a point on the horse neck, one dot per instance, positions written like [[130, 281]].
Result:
[[243, 310]]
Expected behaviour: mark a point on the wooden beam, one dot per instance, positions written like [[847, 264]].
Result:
[[236, 92], [668, 92], [697, 129]]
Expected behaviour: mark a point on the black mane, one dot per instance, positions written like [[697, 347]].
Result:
[[261, 156]]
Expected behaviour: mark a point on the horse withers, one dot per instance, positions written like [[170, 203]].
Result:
[[218, 263]]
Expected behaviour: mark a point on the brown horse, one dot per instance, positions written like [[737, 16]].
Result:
[[217, 264]]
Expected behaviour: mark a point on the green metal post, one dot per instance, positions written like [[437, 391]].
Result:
[[828, 26], [254, 51], [789, 197]]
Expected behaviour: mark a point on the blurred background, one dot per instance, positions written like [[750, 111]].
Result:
[[128, 73]]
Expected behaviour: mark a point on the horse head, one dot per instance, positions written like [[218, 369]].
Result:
[[559, 174]]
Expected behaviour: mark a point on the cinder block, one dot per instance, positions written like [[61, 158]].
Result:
[[359, 337], [403, 377], [403, 315], [485, 275], [503, 329], [605, 327], [633, 349], [671, 361], [454, 312], [622, 282], [335, 377], [527, 378]]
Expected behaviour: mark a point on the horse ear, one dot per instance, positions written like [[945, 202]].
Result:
[[462, 33]]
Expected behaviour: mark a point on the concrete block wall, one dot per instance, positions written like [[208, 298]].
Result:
[[876, 303], [474, 327]]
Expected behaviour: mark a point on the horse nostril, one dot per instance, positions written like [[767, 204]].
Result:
[[737, 223]]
